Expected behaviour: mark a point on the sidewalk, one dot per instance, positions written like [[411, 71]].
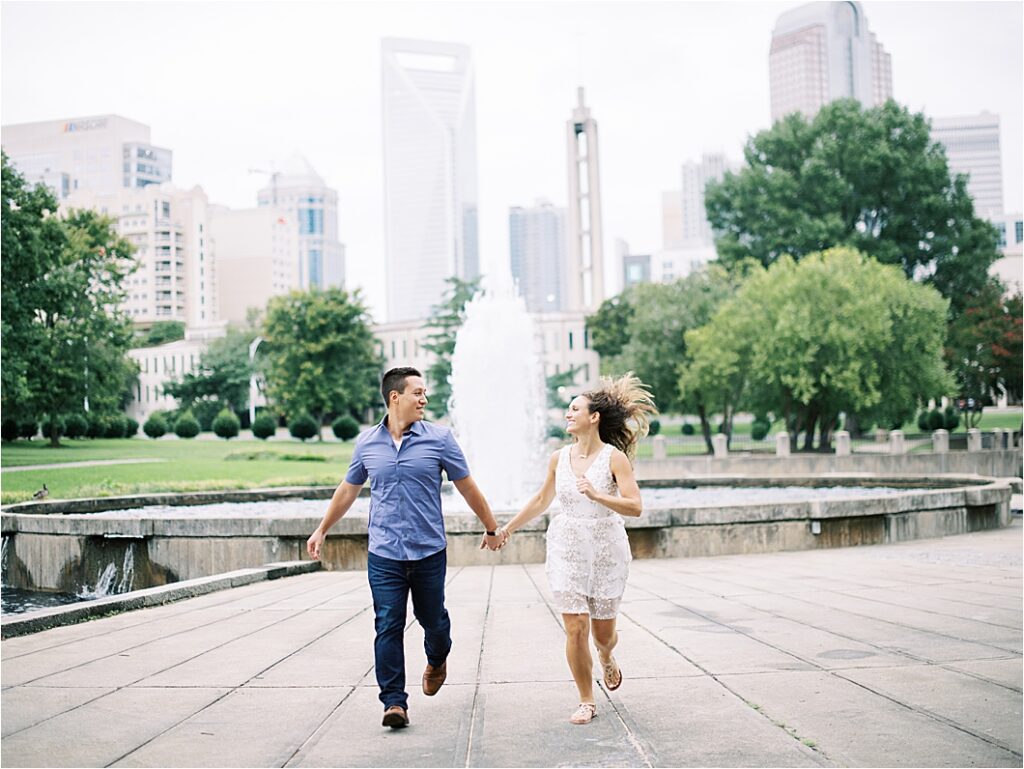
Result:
[[894, 655]]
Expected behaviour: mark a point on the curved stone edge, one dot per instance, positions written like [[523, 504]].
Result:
[[58, 616]]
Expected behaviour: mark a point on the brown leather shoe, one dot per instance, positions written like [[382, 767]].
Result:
[[433, 678], [396, 717]]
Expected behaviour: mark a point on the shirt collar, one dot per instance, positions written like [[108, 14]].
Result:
[[416, 428]]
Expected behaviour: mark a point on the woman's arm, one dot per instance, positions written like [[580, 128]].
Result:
[[628, 502], [539, 502]]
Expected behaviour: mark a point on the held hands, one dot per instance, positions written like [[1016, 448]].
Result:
[[496, 542], [583, 486], [313, 545]]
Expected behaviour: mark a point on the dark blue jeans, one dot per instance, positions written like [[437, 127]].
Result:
[[391, 582]]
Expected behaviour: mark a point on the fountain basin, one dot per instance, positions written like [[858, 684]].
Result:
[[66, 550]]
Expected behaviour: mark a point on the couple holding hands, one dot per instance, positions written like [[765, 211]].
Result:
[[587, 549]]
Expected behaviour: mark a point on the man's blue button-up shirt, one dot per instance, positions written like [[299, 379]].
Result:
[[406, 523]]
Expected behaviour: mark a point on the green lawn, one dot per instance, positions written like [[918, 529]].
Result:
[[192, 465]]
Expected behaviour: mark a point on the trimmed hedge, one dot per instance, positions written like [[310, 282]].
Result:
[[155, 426], [303, 427], [345, 428], [186, 426], [264, 427], [226, 425]]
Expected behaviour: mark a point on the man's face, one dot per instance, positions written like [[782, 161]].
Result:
[[412, 401]]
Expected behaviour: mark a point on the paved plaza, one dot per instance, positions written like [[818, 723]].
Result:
[[896, 655]]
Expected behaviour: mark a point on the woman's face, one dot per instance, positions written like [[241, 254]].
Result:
[[578, 417]]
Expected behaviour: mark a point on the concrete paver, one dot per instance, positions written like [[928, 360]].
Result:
[[898, 655]]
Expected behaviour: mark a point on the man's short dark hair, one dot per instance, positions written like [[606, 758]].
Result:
[[394, 379]]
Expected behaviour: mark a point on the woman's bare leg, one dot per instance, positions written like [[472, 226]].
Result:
[[606, 637], [577, 652]]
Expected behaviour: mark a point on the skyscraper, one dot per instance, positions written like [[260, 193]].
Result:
[[821, 52], [430, 193], [101, 154], [313, 206], [696, 230], [537, 255], [586, 252], [972, 148]]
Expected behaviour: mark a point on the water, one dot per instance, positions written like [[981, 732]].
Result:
[[110, 580], [14, 600], [653, 498], [499, 397]]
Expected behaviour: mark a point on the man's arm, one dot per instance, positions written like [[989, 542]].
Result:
[[341, 501], [478, 504]]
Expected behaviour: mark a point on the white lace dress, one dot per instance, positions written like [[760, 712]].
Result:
[[587, 549]]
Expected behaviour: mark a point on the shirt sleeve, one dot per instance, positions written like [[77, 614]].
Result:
[[452, 459], [357, 474]]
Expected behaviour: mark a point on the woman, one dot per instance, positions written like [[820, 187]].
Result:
[[587, 549]]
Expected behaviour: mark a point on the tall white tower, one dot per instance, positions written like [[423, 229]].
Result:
[[822, 52], [430, 196], [585, 278]]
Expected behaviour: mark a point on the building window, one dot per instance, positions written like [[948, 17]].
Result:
[[570, 340], [1018, 231]]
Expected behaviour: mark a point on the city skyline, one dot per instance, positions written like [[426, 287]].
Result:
[[668, 82]]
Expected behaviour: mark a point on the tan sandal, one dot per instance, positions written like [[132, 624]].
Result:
[[584, 714], [612, 671]]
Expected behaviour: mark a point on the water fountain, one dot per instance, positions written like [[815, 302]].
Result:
[[498, 397]]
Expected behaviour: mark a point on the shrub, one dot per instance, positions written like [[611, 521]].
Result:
[[226, 425], [47, 424], [9, 430], [115, 426], [655, 427], [97, 425], [205, 412], [687, 429], [936, 421], [77, 426], [951, 417], [303, 427], [759, 428], [345, 428], [187, 425], [264, 426], [155, 426], [28, 428], [131, 427], [922, 421]]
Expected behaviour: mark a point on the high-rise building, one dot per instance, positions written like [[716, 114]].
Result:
[[537, 255], [430, 190], [256, 251], [586, 250], [312, 207], [636, 268], [99, 154], [671, 219], [821, 52], [972, 148], [695, 228], [177, 277]]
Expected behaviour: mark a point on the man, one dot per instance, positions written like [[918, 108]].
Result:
[[403, 457]]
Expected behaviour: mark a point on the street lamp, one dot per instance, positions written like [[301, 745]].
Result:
[[253, 389]]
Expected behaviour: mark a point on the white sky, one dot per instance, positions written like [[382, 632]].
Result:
[[233, 85]]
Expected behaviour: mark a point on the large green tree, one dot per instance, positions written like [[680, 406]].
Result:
[[836, 333], [319, 353], [445, 321], [65, 336], [984, 348], [871, 179], [647, 328], [221, 380]]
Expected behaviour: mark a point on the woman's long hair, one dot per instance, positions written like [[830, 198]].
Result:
[[626, 408]]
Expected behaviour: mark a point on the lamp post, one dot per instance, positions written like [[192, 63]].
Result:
[[253, 389]]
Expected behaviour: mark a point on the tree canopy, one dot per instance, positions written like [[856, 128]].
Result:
[[837, 332], [320, 355], [870, 179], [648, 322], [65, 333], [445, 321], [221, 380]]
